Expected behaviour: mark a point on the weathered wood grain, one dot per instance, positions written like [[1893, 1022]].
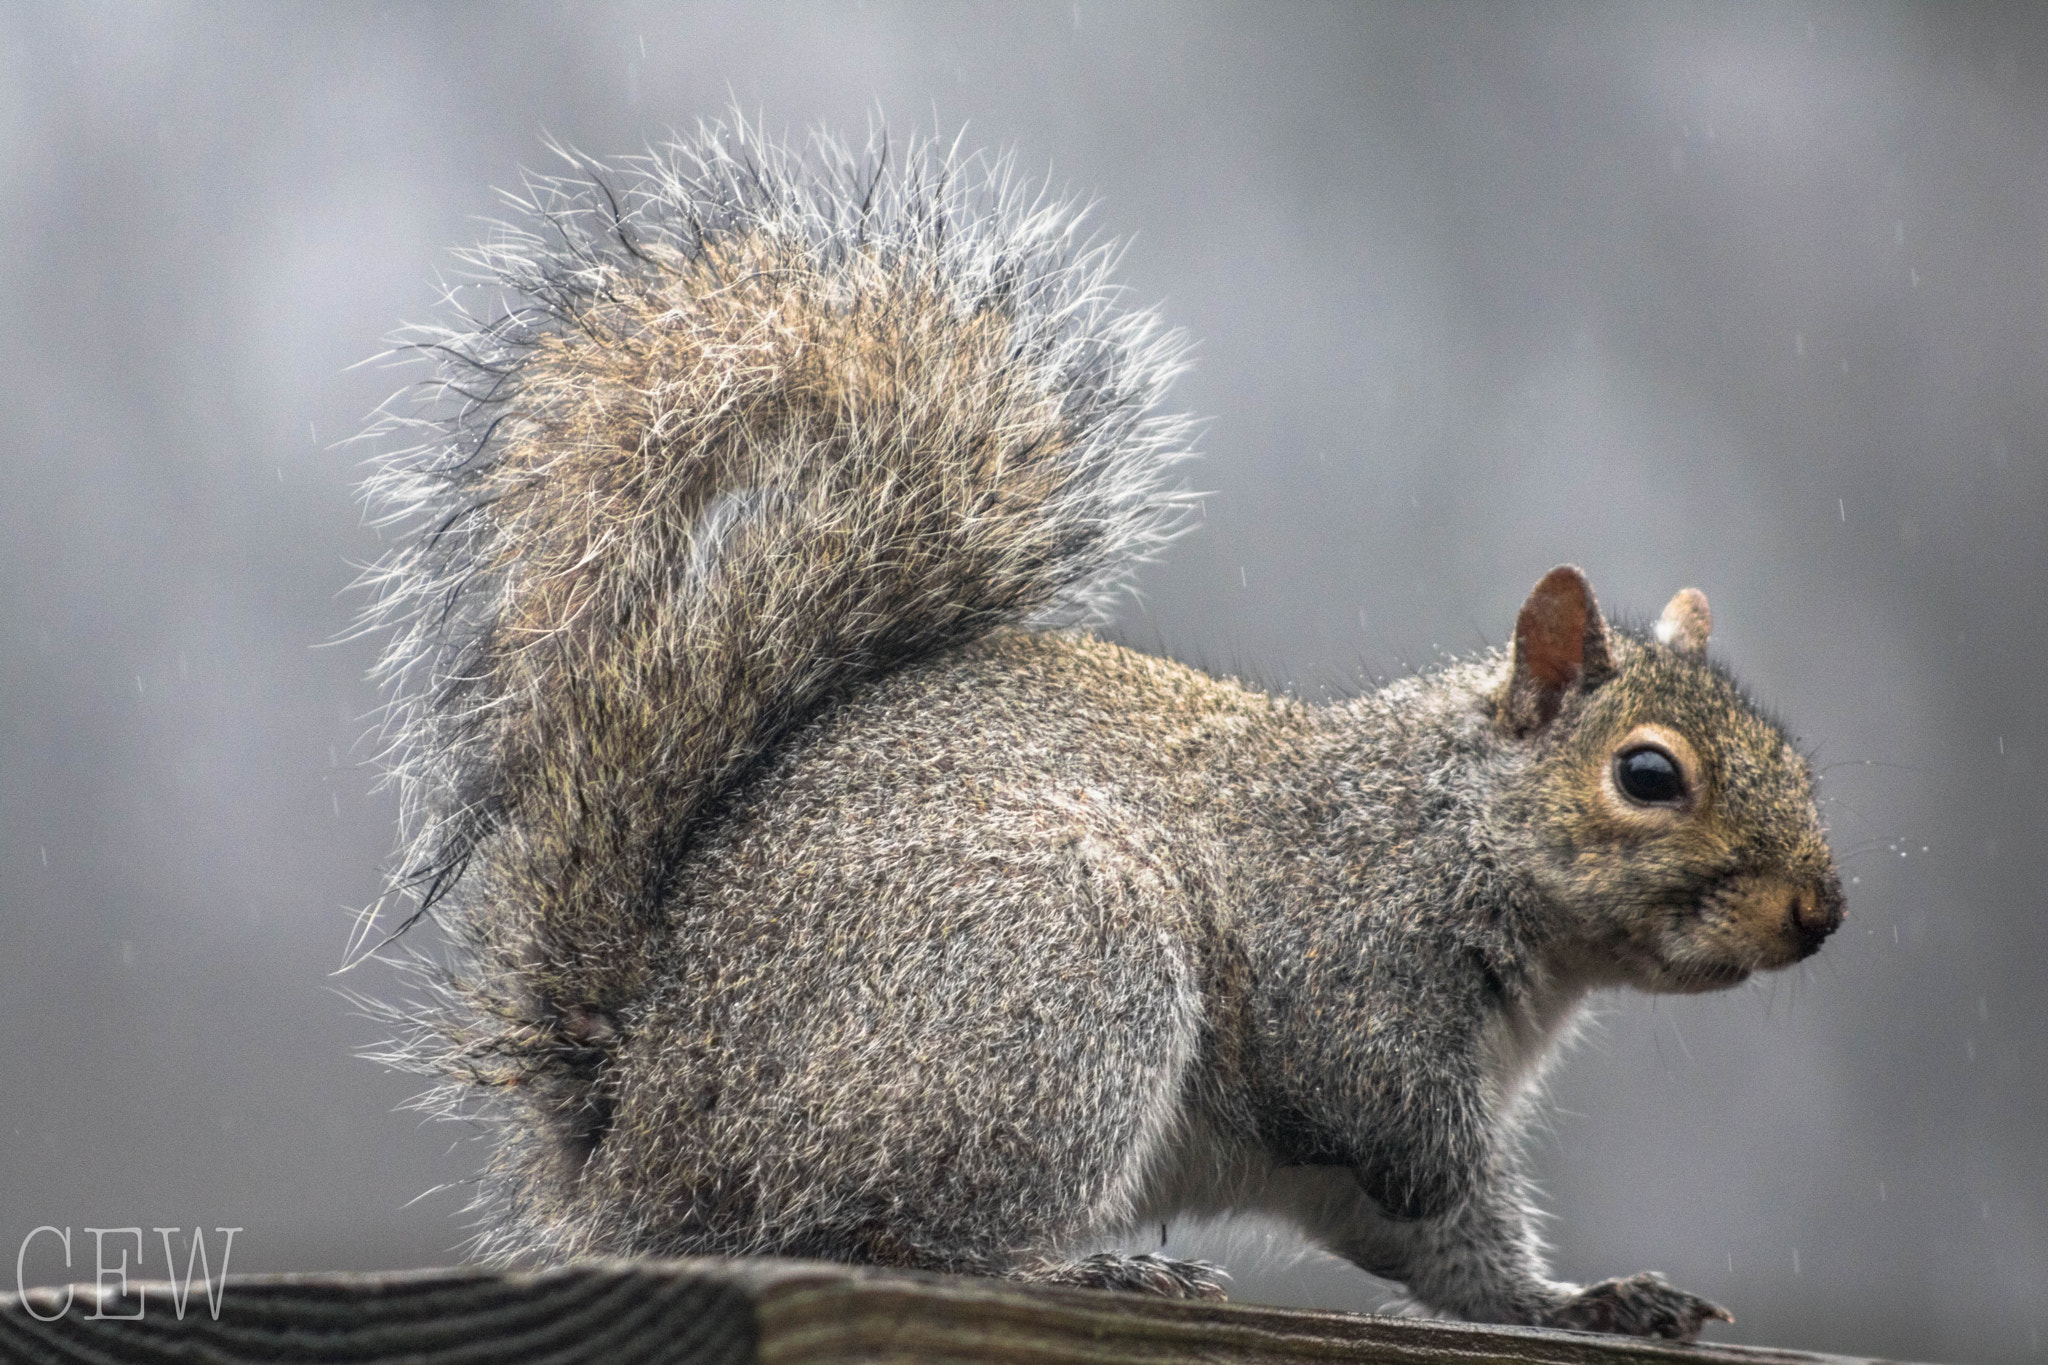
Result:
[[772, 1312]]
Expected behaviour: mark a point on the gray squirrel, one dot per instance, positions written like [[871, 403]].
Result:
[[812, 884]]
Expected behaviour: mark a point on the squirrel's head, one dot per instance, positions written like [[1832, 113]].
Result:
[[1676, 823]]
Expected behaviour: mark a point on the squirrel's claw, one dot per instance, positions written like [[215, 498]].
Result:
[[1642, 1305]]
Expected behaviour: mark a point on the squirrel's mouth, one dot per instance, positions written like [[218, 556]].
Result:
[[1750, 922], [1696, 977]]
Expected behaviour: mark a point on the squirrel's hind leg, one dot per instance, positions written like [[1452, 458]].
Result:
[[1143, 1273]]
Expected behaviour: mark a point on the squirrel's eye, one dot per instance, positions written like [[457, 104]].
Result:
[[1649, 775]]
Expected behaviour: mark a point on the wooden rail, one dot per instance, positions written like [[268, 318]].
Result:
[[772, 1312]]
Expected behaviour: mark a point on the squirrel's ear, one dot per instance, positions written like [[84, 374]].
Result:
[[1686, 622], [1560, 644]]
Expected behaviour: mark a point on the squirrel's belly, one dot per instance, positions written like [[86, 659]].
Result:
[[1206, 1175], [1198, 1172]]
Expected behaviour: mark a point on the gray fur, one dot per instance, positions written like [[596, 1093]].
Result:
[[815, 893]]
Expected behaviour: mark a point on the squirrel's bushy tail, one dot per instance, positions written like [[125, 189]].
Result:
[[743, 428]]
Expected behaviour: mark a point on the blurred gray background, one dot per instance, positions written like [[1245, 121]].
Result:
[[1752, 297]]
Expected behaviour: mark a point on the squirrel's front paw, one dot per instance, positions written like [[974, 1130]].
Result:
[[1645, 1305], [1143, 1274]]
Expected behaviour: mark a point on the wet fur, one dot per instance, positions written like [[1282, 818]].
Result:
[[813, 891]]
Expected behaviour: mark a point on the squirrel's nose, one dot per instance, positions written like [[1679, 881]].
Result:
[[1815, 912]]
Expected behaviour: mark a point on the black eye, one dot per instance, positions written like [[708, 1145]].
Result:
[[1649, 775]]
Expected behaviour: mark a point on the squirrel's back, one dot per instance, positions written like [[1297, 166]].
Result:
[[751, 429]]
